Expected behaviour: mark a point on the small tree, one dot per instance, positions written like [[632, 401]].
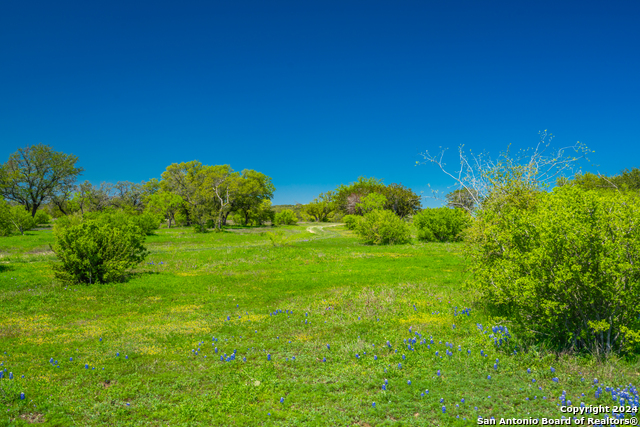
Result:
[[401, 200], [18, 219], [321, 207], [165, 204]]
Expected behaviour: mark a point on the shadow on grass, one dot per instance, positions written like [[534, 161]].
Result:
[[4, 268], [135, 274]]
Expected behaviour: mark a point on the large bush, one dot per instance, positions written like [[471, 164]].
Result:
[[286, 217], [565, 268], [382, 227], [97, 251], [441, 224]]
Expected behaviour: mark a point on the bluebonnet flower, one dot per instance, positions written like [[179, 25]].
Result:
[[444, 409], [409, 382], [282, 400], [438, 373], [384, 386], [552, 370], [268, 357], [324, 359], [488, 377], [373, 404], [117, 354], [10, 375], [86, 366], [528, 370], [375, 357], [21, 396], [442, 400], [328, 348], [399, 365], [403, 357]]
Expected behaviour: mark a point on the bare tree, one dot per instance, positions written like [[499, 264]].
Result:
[[479, 176]]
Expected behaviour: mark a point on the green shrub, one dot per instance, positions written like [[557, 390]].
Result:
[[97, 251], [441, 224], [351, 221], [565, 270], [380, 227], [5, 225], [371, 202], [14, 219], [239, 218], [67, 221], [278, 238], [42, 217], [286, 217], [147, 222]]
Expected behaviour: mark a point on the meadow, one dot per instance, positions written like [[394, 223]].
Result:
[[230, 329]]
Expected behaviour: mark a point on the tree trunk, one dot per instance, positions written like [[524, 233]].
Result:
[[219, 226]]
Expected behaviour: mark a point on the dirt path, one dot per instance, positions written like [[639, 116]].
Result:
[[311, 229]]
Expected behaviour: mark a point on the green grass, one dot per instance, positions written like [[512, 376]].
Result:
[[353, 297]]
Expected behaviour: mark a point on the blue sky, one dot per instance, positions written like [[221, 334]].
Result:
[[317, 93]]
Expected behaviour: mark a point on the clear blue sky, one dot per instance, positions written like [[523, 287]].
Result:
[[316, 93]]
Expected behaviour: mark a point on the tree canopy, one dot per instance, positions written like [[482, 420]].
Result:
[[36, 174]]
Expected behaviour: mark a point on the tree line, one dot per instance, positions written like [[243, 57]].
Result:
[[37, 177]]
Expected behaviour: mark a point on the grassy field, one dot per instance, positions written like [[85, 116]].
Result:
[[228, 329]]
